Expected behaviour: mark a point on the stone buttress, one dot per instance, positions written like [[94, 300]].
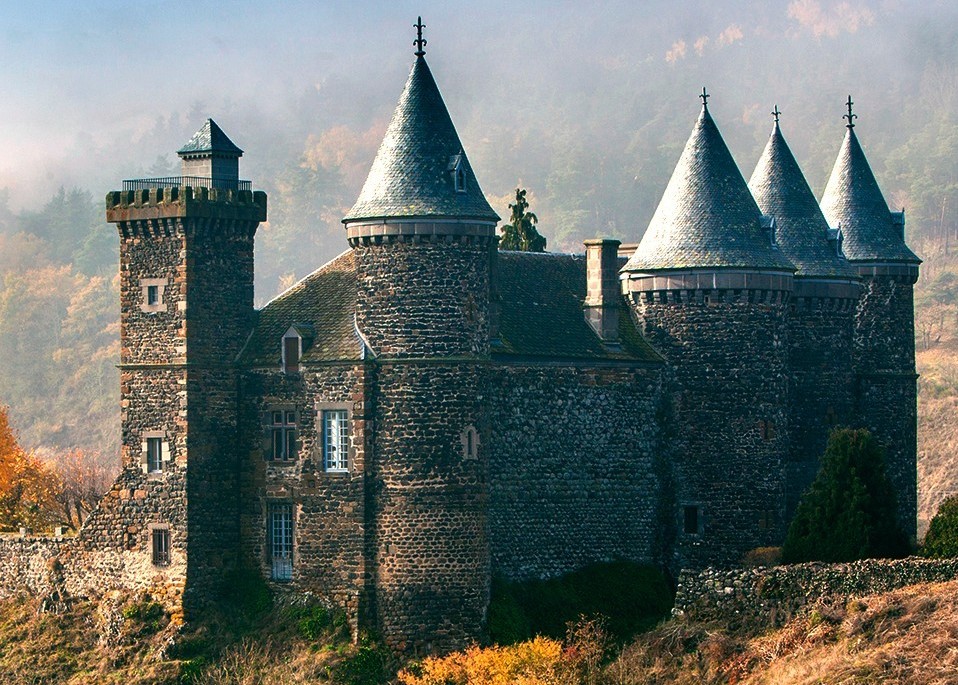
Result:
[[884, 337], [186, 297], [711, 291], [423, 240], [820, 317]]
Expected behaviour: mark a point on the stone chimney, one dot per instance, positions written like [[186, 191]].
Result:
[[602, 289]]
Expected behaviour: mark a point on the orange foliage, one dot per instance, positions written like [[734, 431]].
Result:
[[540, 661], [28, 488]]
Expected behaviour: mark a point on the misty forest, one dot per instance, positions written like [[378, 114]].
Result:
[[586, 111]]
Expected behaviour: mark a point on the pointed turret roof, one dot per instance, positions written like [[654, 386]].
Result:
[[781, 191], [853, 202], [210, 138], [414, 173], [706, 218]]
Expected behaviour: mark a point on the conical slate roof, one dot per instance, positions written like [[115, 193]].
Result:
[[853, 201], [706, 218], [781, 191], [413, 174], [210, 138]]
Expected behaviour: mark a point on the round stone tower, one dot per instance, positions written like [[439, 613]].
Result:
[[884, 337], [821, 313], [710, 289], [424, 240]]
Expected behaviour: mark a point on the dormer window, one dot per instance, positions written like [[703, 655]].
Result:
[[292, 351], [836, 239], [768, 223], [458, 168]]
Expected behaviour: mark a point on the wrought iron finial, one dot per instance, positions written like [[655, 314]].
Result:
[[705, 98], [776, 113], [420, 42], [851, 117]]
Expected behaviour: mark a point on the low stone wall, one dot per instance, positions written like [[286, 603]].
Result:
[[772, 595]]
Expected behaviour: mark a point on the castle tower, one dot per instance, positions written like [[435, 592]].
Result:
[[884, 343], [209, 154], [423, 238], [710, 290], [821, 312], [186, 307]]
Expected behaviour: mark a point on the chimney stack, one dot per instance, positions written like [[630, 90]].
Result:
[[602, 289]]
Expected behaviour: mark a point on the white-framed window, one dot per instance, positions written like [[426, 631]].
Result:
[[279, 539], [152, 293], [161, 546], [335, 440], [154, 455], [283, 431]]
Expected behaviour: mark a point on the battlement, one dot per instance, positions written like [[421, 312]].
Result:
[[183, 201]]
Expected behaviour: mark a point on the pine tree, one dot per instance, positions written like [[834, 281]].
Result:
[[849, 512], [941, 541], [521, 234]]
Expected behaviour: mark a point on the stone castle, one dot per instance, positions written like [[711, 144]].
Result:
[[425, 412]]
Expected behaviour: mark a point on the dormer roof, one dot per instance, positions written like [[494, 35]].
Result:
[[210, 138], [854, 202], [781, 191], [414, 173], [707, 217]]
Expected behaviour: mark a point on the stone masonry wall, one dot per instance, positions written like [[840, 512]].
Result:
[[328, 508], [575, 467], [822, 385], [730, 401], [771, 596], [888, 385]]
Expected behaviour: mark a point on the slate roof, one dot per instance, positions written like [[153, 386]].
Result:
[[542, 316], [706, 218], [210, 138], [412, 175], [326, 301], [781, 191], [854, 201]]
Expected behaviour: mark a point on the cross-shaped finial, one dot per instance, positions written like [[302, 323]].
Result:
[[776, 113], [851, 117], [420, 42], [705, 98]]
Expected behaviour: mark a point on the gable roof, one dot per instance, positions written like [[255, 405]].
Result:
[[210, 138], [413, 173], [781, 191], [853, 201], [541, 315], [325, 303], [542, 296], [706, 218]]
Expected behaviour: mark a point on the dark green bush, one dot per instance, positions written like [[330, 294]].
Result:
[[941, 541], [631, 597], [850, 511], [245, 589]]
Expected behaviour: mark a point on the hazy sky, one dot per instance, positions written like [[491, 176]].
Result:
[[84, 82]]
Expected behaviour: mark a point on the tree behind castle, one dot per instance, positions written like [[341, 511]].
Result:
[[520, 233], [849, 512]]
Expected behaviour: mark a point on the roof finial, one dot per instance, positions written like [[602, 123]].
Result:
[[776, 113], [705, 98], [851, 117], [420, 42]]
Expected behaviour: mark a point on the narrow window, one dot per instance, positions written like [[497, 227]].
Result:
[[279, 532], [335, 440], [283, 434], [152, 295], [460, 179], [291, 354], [766, 429], [154, 455], [470, 443], [766, 519], [161, 546], [690, 517]]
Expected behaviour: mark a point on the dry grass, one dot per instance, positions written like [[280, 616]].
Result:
[[937, 429]]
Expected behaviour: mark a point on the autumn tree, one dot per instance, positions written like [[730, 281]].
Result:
[[28, 488], [520, 233], [83, 478], [849, 512]]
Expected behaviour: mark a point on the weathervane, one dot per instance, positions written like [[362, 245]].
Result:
[[776, 113], [705, 98], [420, 42], [851, 117]]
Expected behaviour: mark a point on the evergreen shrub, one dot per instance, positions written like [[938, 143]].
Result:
[[941, 541]]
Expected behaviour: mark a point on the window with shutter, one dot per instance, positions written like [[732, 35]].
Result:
[[291, 354], [154, 455]]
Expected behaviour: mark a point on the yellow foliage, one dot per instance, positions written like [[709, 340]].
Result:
[[540, 661]]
